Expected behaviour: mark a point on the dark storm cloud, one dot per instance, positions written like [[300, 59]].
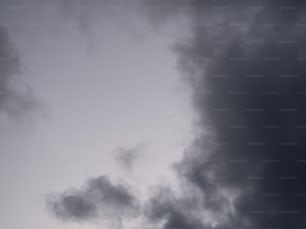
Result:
[[245, 62], [15, 96], [99, 198]]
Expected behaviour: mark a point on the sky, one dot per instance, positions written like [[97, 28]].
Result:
[[84, 100], [152, 114]]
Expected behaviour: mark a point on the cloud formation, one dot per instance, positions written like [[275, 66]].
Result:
[[245, 63], [99, 198], [16, 97]]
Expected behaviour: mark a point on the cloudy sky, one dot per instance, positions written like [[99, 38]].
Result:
[[152, 114]]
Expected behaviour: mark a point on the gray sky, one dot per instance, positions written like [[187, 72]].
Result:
[[113, 84]]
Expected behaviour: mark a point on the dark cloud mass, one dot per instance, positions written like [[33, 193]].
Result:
[[15, 96], [246, 64], [98, 198]]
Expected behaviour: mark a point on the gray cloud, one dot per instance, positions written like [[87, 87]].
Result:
[[99, 198], [16, 98]]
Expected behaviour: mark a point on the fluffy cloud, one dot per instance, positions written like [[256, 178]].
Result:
[[98, 198]]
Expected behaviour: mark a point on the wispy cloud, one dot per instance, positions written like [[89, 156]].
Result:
[[16, 97], [126, 157]]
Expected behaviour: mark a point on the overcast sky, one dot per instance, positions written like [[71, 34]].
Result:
[[152, 114]]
